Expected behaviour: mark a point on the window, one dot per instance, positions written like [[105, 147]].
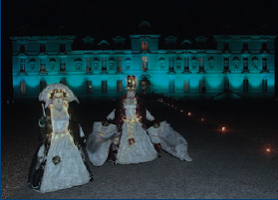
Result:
[[226, 46], [62, 47], [22, 48], [22, 87], [201, 64], [104, 86], [264, 46], [245, 85], [42, 48], [88, 64], [226, 84], [172, 86], [104, 64], [264, 64], [119, 64], [63, 65], [245, 46], [264, 85], [171, 64], [226, 64], [202, 86], [119, 86], [186, 86], [42, 84], [145, 63], [245, 63], [89, 87], [22, 64], [145, 46], [43, 65], [63, 81], [186, 64]]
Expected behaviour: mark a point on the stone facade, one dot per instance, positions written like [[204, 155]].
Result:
[[198, 67]]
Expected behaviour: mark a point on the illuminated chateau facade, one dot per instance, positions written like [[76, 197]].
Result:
[[199, 67]]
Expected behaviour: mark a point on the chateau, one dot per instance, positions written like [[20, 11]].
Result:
[[200, 67]]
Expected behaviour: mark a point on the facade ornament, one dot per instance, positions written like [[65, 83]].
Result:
[[78, 63], [161, 63], [194, 63], [96, 62], [32, 64]]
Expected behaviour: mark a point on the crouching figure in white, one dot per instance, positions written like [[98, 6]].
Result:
[[125, 139], [59, 162]]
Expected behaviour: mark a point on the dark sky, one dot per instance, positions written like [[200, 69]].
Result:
[[110, 18]]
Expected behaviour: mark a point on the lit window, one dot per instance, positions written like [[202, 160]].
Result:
[[89, 87], [144, 46], [22, 87], [119, 86], [22, 64], [104, 86], [144, 63]]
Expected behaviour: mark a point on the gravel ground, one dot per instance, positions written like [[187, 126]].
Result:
[[225, 165]]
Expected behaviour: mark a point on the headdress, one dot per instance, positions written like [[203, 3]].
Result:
[[131, 83], [47, 93]]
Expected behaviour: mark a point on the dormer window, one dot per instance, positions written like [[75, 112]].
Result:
[[145, 46], [63, 48], [22, 48], [42, 48]]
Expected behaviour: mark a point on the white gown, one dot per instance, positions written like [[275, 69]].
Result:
[[71, 170], [142, 150]]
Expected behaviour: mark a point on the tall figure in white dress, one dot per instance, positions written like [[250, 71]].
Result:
[[132, 135], [59, 162]]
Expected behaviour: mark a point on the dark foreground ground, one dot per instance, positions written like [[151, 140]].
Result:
[[230, 164]]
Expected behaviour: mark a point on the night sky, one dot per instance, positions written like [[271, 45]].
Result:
[[107, 19]]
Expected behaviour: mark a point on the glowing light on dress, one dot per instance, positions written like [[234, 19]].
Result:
[[189, 113], [268, 150], [223, 128]]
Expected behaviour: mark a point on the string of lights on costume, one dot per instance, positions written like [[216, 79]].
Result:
[[59, 162]]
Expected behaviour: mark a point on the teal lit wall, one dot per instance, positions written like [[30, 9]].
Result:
[[166, 66]]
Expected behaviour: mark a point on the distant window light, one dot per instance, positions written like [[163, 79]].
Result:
[[145, 46], [145, 60], [22, 87], [89, 87]]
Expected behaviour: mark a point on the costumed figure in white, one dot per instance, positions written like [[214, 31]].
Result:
[[59, 162], [125, 139]]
